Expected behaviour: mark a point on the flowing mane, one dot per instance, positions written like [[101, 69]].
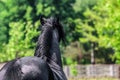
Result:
[[44, 42], [59, 27], [45, 39], [48, 46]]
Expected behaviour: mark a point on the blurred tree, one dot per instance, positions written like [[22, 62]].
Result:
[[21, 24], [74, 51], [86, 21], [108, 27], [18, 14], [3, 28], [21, 40], [101, 27]]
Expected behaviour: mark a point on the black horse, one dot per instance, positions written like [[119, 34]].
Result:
[[26, 68], [46, 63], [48, 46]]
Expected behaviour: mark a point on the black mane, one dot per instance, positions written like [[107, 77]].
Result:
[[60, 31], [44, 40]]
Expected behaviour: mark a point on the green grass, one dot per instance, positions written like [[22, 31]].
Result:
[[93, 79]]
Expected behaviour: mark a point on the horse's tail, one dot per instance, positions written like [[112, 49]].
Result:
[[13, 72]]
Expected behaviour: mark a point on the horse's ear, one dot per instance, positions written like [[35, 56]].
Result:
[[42, 20], [57, 19]]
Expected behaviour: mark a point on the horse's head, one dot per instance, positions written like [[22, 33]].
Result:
[[53, 22]]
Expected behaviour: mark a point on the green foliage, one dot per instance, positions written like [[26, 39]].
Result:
[[72, 64], [20, 29], [112, 27], [20, 42], [95, 78], [85, 21], [101, 26], [73, 69], [20, 13]]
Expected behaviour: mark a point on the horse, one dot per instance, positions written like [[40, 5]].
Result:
[[48, 45], [46, 63], [26, 68]]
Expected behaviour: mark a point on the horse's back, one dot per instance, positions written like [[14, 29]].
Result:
[[26, 68], [4, 69], [34, 68]]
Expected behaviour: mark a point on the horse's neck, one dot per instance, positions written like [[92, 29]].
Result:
[[44, 43], [55, 51], [48, 46]]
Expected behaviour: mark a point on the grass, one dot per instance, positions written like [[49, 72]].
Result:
[[93, 79]]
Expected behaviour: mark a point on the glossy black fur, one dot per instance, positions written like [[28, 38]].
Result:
[[48, 45], [26, 68]]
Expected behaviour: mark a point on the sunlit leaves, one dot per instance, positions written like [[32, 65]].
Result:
[[20, 42], [28, 13], [108, 27], [39, 8]]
